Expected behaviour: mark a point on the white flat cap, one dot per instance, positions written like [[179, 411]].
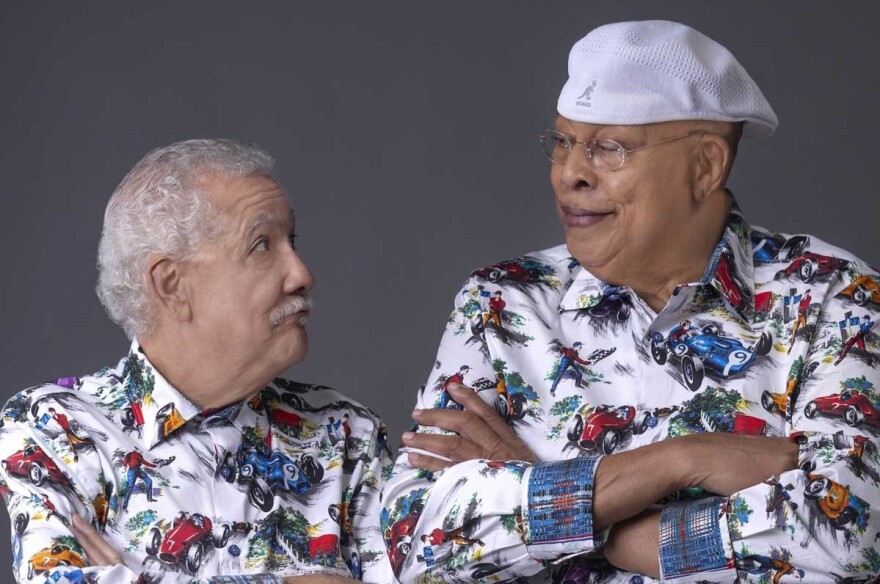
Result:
[[659, 71]]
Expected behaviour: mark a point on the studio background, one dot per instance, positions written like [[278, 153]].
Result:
[[405, 135]]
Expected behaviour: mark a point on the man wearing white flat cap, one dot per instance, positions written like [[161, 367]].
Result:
[[686, 443]]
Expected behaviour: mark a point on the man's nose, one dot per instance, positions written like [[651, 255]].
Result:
[[577, 171], [298, 277]]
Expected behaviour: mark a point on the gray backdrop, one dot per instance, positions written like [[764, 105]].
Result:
[[406, 138]]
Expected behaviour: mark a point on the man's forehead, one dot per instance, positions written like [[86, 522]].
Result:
[[276, 216]]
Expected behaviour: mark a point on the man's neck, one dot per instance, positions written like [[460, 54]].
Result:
[[204, 383], [655, 276]]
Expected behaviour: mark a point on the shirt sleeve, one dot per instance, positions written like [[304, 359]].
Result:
[[42, 542], [481, 518], [359, 514], [821, 521]]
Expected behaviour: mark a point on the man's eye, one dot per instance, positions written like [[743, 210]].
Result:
[[609, 146], [262, 244]]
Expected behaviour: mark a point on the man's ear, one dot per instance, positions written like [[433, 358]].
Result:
[[165, 279], [713, 163]]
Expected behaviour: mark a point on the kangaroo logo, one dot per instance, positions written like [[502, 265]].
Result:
[[587, 95]]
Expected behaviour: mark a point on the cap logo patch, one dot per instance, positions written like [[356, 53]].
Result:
[[587, 95]]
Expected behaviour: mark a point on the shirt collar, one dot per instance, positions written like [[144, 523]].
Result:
[[730, 271], [159, 410]]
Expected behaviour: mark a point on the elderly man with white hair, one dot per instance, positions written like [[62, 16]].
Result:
[[190, 460], [673, 393]]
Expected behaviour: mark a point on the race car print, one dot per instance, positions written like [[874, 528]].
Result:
[[523, 270], [810, 266], [856, 406], [767, 248], [604, 427], [863, 290], [269, 471], [186, 541], [842, 509], [705, 351], [34, 463], [783, 402], [56, 556], [398, 538]]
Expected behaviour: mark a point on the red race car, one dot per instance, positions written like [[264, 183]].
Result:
[[604, 426], [186, 540], [727, 280], [811, 265], [35, 464], [522, 270], [854, 405], [398, 538]]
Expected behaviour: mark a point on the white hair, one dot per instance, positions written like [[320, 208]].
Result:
[[160, 209]]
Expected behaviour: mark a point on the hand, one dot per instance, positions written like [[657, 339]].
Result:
[[99, 552], [634, 544], [480, 434], [726, 463]]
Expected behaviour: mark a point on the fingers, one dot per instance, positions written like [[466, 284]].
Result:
[[472, 402], [99, 552], [465, 422], [456, 448], [426, 462]]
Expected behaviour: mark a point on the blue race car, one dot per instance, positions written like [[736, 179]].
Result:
[[699, 351], [269, 471], [775, 248]]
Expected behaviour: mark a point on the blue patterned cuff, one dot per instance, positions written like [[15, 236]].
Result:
[[242, 579], [559, 516], [690, 538]]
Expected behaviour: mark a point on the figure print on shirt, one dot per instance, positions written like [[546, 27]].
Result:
[[797, 308], [136, 391], [571, 365], [444, 542], [66, 434], [857, 451], [694, 353], [771, 568]]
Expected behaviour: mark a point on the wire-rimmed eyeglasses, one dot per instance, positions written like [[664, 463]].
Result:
[[603, 154]]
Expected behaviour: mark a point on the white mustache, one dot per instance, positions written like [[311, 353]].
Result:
[[296, 304]]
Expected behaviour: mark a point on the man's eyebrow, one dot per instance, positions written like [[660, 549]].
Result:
[[264, 218]]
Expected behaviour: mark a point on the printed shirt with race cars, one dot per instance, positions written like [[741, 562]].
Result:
[[582, 369], [282, 484]]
